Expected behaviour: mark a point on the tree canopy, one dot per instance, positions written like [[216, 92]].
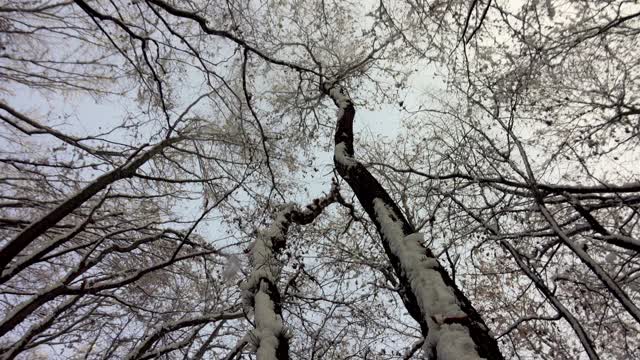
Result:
[[276, 179]]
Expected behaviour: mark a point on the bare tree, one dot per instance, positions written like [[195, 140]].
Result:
[[153, 152]]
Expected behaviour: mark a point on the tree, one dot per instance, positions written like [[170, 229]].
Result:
[[206, 213]]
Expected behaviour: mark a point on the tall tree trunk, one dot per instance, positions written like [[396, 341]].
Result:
[[452, 328], [270, 337]]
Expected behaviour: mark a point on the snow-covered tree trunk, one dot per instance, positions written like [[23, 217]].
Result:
[[270, 336], [452, 328]]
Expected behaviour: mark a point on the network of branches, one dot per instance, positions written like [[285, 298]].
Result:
[[290, 179]]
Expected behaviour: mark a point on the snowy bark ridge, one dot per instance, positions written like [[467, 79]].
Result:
[[436, 299], [340, 155], [452, 328], [270, 336], [343, 153]]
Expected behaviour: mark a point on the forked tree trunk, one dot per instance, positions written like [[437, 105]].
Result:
[[270, 336]]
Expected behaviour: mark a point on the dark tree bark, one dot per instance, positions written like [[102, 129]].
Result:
[[439, 329]]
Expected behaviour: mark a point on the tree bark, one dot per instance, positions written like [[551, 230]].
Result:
[[448, 324]]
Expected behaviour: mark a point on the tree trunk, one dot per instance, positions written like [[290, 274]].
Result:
[[452, 328], [271, 337]]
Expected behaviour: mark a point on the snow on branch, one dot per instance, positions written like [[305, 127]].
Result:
[[269, 327], [337, 94], [262, 254], [342, 156], [260, 287]]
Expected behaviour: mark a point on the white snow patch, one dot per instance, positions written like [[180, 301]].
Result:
[[435, 298], [265, 265], [342, 157], [415, 237], [268, 327], [263, 260], [341, 99]]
